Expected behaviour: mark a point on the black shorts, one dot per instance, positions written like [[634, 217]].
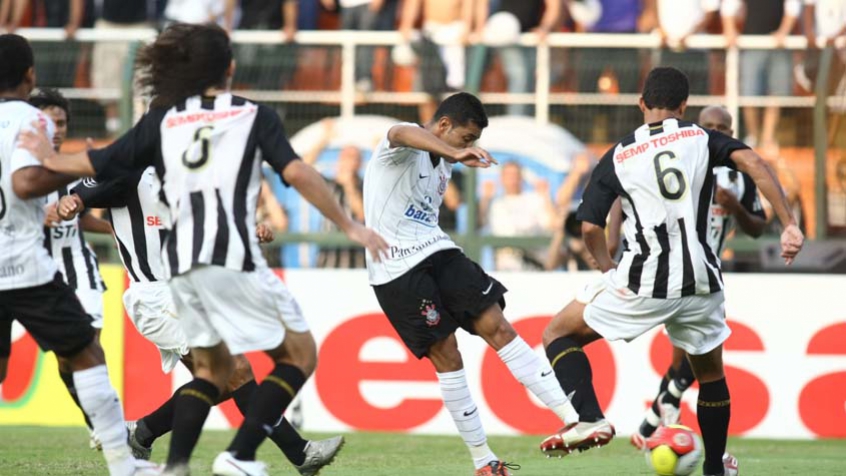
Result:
[[51, 313], [445, 291]]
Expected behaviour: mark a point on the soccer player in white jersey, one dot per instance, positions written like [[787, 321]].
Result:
[[207, 147], [426, 286], [735, 202], [133, 206], [31, 289], [668, 274]]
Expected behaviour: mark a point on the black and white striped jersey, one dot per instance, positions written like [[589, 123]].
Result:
[[720, 221], [66, 244], [664, 174], [207, 153], [134, 210]]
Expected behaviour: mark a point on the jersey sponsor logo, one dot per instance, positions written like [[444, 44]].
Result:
[[430, 312], [155, 221], [12, 270], [660, 141], [208, 116], [64, 231], [397, 252], [89, 182], [423, 215]]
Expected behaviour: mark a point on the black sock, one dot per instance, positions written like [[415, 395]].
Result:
[[713, 411], [157, 423], [682, 381], [67, 378], [572, 368], [284, 435], [647, 429], [191, 407], [275, 393]]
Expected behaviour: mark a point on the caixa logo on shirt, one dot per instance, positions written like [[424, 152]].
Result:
[[425, 216]]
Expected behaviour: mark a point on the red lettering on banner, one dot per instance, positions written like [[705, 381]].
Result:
[[340, 374], [822, 403], [509, 399], [21, 369], [750, 399]]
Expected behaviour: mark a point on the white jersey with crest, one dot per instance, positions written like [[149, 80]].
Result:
[[403, 191], [24, 261], [66, 244], [664, 174], [207, 151]]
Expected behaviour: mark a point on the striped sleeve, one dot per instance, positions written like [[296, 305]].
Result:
[[601, 192]]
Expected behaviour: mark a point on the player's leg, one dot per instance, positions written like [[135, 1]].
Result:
[[54, 317], [700, 330], [5, 346], [666, 407]]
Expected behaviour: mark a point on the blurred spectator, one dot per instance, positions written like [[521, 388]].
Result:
[[824, 19], [347, 187], [270, 213], [792, 190], [567, 250], [448, 216], [762, 72], [678, 19], [108, 62], [537, 16], [363, 15], [201, 11], [517, 213], [610, 70], [267, 66]]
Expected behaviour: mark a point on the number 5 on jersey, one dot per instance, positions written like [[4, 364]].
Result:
[[198, 152], [671, 181]]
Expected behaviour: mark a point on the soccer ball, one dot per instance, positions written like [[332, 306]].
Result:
[[673, 451]]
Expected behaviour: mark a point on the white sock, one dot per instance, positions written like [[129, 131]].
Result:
[[537, 375], [101, 404], [465, 414], [674, 391]]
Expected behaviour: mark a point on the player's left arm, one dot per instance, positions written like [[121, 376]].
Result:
[[92, 224], [601, 193]]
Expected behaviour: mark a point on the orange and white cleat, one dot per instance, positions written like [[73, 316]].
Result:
[[638, 441], [580, 436], [497, 468]]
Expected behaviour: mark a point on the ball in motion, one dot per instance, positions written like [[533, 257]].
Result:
[[673, 450]]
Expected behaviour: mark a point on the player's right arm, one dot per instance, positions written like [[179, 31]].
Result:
[[91, 194], [29, 178], [600, 194], [416, 137]]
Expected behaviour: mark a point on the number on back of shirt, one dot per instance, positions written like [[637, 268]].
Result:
[[198, 152], [671, 181]]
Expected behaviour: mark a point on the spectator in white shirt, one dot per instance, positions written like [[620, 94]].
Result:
[[360, 15], [517, 213], [201, 11], [677, 20]]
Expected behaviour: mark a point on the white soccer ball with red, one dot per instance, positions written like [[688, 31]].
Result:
[[673, 450]]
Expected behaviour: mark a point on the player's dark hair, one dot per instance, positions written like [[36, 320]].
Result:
[[665, 88], [49, 97], [184, 61], [463, 108], [15, 60]]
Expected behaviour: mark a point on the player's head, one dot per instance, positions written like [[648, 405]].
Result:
[[716, 118], [459, 120], [666, 89], [17, 71], [57, 108], [184, 61], [511, 176]]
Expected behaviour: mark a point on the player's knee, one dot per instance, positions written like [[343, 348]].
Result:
[[445, 356], [90, 356], [242, 372]]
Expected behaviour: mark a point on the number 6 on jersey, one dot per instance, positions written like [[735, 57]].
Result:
[[671, 181]]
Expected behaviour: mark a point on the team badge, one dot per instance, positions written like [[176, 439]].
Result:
[[442, 184], [430, 312]]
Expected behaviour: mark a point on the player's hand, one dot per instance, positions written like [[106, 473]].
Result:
[[726, 199], [474, 157], [37, 142], [69, 207], [370, 240], [792, 240], [264, 233], [51, 216]]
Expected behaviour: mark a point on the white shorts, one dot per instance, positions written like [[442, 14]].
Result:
[[150, 307], [696, 324], [247, 311], [92, 302]]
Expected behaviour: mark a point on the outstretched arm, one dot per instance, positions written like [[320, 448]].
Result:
[[419, 138], [33, 182]]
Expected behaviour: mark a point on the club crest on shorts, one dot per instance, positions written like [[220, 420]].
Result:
[[430, 312]]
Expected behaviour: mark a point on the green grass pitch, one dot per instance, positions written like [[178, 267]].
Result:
[[64, 451]]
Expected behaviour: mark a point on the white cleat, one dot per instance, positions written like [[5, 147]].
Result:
[[227, 465], [146, 468], [319, 454], [730, 465], [94, 442], [669, 413], [579, 436]]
